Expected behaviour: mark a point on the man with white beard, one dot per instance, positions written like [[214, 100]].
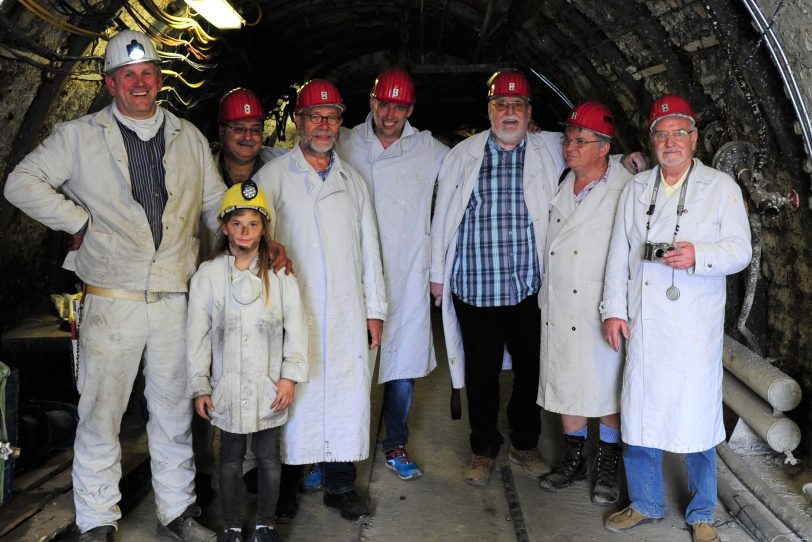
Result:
[[488, 232]]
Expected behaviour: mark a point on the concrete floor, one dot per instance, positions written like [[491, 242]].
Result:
[[440, 506]]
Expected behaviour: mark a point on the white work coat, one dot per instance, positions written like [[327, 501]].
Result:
[[579, 373], [87, 161], [330, 233], [672, 381], [543, 163], [236, 353], [401, 181]]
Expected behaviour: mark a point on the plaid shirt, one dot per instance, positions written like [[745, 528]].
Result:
[[496, 264]]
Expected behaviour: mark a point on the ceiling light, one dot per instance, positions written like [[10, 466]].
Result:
[[217, 12]]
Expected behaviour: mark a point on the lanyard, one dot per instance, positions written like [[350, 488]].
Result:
[[680, 204]]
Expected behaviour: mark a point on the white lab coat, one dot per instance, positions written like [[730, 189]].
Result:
[[401, 181], [543, 163], [672, 382], [330, 233], [237, 352], [580, 374]]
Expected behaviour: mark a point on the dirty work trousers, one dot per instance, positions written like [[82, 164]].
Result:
[[114, 333]]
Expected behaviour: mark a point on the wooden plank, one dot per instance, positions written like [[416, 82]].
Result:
[[30, 479], [56, 516], [27, 504]]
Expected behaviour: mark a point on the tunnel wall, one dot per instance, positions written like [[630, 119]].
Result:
[[625, 56]]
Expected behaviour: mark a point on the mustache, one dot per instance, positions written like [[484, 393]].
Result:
[[244, 143], [509, 118]]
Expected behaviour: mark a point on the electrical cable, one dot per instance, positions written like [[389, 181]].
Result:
[[50, 18], [33, 47]]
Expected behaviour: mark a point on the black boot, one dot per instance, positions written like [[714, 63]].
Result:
[[606, 490], [573, 466]]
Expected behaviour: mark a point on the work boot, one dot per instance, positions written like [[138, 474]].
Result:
[[530, 460], [265, 534], [478, 472], [573, 466], [704, 532], [98, 534], [185, 528], [287, 506], [606, 490], [350, 505], [626, 519], [230, 535]]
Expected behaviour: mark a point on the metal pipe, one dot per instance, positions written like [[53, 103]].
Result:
[[781, 391], [552, 87], [751, 282], [778, 431], [768, 204], [784, 69]]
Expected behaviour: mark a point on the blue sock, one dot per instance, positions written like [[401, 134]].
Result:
[[580, 433], [610, 435]]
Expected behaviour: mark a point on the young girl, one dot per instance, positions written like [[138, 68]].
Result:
[[247, 348]]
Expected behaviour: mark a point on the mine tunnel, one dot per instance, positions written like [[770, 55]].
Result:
[[745, 65]]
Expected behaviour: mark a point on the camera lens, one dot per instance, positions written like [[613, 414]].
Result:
[[659, 253]]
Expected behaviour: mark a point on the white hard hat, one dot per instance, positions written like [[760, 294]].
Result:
[[128, 47]]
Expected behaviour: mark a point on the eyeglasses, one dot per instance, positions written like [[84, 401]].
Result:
[[315, 118], [254, 131], [386, 106], [678, 135], [579, 143], [503, 105]]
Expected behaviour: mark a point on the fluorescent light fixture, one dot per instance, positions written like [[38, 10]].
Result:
[[217, 12]]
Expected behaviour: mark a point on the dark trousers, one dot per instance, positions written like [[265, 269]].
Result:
[[265, 445], [485, 333], [338, 477]]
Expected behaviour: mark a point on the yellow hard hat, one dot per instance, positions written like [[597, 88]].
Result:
[[244, 195]]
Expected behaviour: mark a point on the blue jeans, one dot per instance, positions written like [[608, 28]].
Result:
[[397, 402], [644, 477]]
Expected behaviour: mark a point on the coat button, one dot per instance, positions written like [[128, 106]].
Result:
[[573, 328], [647, 283], [552, 252], [575, 252], [575, 291], [558, 220], [710, 265], [244, 338]]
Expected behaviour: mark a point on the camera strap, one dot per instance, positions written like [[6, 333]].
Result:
[[672, 292], [680, 203]]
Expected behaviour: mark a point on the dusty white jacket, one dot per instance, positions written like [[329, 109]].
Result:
[[236, 353], [580, 374], [330, 232], [401, 180], [672, 381], [80, 173], [543, 163]]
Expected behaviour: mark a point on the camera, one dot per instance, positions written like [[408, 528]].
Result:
[[654, 252]]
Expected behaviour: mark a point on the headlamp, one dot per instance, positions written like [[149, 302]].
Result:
[[135, 50], [249, 190]]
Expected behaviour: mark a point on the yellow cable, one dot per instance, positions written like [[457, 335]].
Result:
[[48, 17], [176, 75]]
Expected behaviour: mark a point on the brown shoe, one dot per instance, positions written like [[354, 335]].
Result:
[[478, 472], [626, 519], [530, 460], [704, 532]]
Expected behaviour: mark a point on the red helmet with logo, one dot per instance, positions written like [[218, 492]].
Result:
[[593, 116], [240, 104], [670, 105], [394, 86], [508, 83], [318, 92]]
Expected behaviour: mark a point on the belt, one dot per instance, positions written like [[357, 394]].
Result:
[[130, 295]]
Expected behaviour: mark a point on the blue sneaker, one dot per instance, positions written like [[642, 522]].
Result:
[[398, 461], [312, 479]]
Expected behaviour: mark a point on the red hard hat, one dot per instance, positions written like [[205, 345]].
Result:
[[670, 105], [317, 92], [395, 86], [508, 83], [593, 116], [240, 104]]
